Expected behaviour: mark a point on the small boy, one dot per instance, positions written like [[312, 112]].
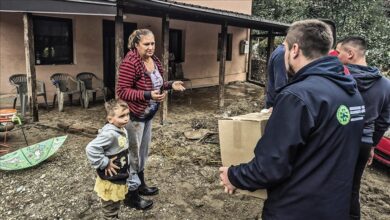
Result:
[[108, 154]]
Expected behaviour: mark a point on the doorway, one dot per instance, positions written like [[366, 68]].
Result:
[[109, 51], [176, 51]]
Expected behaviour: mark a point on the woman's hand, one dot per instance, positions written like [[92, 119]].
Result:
[[111, 168], [156, 96], [178, 86]]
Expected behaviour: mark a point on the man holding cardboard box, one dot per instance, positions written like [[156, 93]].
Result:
[[307, 154]]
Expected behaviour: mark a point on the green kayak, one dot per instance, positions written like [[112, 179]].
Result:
[[31, 155]]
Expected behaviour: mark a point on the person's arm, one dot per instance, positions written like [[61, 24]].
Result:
[[287, 129], [279, 68], [95, 151], [382, 123], [126, 80], [277, 76], [168, 85]]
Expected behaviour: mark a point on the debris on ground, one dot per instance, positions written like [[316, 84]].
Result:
[[186, 171]]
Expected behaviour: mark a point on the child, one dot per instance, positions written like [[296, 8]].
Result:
[[108, 154]]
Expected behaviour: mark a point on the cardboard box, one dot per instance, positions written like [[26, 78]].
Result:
[[238, 137]]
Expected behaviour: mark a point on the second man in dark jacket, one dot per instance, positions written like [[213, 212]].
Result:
[[375, 90]]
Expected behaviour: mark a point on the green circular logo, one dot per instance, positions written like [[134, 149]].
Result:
[[343, 115]]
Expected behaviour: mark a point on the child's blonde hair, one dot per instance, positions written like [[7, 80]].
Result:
[[113, 105]]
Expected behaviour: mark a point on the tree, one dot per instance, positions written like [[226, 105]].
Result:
[[369, 19]]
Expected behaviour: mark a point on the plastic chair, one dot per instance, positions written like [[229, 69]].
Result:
[[65, 85], [20, 82], [89, 85]]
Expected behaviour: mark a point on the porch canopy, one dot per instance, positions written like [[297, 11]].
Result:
[[190, 12]]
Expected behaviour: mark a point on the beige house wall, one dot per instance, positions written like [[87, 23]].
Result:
[[200, 39], [87, 44], [200, 49], [201, 45]]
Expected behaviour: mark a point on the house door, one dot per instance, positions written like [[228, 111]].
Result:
[[176, 51], [109, 51]]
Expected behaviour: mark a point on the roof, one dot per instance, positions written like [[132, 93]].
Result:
[[155, 8], [190, 12], [82, 7]]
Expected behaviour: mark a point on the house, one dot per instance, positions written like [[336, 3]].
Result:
[[72, 36]]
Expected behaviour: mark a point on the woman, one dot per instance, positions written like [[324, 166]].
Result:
[[141, 85]]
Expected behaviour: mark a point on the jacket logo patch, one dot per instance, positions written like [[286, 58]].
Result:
[[122, 141], [343, 115], [123, 161]]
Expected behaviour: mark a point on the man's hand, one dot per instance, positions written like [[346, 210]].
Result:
[[371, 157], [156, 96], [110, 169], [223, 175], [178, 86]]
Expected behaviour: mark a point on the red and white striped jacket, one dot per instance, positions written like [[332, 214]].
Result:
[[134, 85]]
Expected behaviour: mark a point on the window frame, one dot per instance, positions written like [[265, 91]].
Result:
[[68, 23]]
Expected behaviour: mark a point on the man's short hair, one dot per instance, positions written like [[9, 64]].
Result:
[[113, 105], [314, 37], [356, 42]]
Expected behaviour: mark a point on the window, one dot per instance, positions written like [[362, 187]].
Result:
[[53, 40], [228, 46], [176, 45]]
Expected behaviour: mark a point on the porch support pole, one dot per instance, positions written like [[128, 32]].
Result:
[[270, 48], [270, 45], [249, 72], [30, 66], [118, 41], [222, 61], [165, 58]]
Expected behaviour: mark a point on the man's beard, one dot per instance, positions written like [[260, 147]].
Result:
[[290, 70]]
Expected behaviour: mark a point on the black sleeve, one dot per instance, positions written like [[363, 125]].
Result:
[[280, 74], [382, 123], [287, 129]]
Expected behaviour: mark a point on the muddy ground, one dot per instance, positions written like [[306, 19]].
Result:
[[186, 171]]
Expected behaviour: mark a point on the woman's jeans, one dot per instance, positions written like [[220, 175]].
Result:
[[140, 136]]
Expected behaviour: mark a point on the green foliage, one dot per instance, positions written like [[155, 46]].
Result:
[[366, 18]]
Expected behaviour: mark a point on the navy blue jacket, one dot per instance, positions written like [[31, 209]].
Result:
[[375, 91], [307, 155], [277, 75]]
